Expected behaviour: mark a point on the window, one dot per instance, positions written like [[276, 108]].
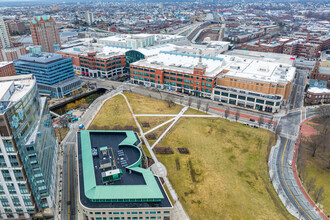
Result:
[[224, 94], [269, 103], [216, 92], [186, 80], [152, 75], [241, 97], [209, 85], [166, 77], [172, 78], [146, 74], [260, 101], [250, 99], [233, 96]]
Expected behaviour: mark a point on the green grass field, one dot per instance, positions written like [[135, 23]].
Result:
[[225, 175], [318, 169], [192, 111], [114, 113], [145, 105]]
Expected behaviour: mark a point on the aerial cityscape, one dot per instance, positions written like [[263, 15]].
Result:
[[126, 110]]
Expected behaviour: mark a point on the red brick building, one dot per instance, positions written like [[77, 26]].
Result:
[[184, 73], [7, 69], [45, 33], [96, 62], [321, 73], [317, 95]]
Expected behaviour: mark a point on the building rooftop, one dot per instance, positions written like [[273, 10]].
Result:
[[13, 88], [261, 71], [110, 173], [324, 70], [318, 90], [101, 51], [2, 64], [41, 58], [182, 62], [263, 56]]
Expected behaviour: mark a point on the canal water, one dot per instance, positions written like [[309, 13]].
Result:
[[88, 100]]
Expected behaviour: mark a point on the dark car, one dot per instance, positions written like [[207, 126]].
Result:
[[251, 119]]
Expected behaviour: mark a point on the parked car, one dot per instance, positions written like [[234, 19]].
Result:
[[251, 119]]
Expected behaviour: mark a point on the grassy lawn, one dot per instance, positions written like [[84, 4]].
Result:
[[317, 168], [145, 105], [225, 175], [114, 114], [153, 121], [192, 111]]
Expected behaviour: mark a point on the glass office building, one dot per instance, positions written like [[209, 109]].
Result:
[[28, 151], [54, 73]]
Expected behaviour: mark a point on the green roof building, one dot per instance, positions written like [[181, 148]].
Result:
[[112, 182]]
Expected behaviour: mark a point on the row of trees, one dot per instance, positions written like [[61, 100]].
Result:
[[317, 147]]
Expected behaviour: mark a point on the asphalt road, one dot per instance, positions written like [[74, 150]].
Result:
[[288, 182], [69, 178], [290, 124]]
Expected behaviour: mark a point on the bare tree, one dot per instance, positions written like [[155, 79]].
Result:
[[303, 174], [207, 107], [323, 111], [260, 120], [199, 102], [270, 122], [64, 122], [315, 143], [170, 101], [237, 115], [310, 184], [181, 100], [319, 194], [227, 112], [189, 101]]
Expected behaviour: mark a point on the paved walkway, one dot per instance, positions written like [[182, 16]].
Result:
[[160, 170]]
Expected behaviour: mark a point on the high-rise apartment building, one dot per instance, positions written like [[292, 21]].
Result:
[[54, 73], [45, 33], [28, 151], [89, 17], [4, 35]]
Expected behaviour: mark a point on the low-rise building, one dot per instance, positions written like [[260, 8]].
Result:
[[97, 61], [316, 95], [54, 73], [112, 184], [255, 80], [186, 73], [7, 69], [134, 41], [253, 84]]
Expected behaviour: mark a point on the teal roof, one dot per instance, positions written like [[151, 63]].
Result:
[[44, 17], [148, 191]]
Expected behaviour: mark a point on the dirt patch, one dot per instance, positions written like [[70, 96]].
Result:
[[183, 150], [163, 150]]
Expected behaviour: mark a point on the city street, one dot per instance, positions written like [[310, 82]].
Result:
[[290, 125]]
